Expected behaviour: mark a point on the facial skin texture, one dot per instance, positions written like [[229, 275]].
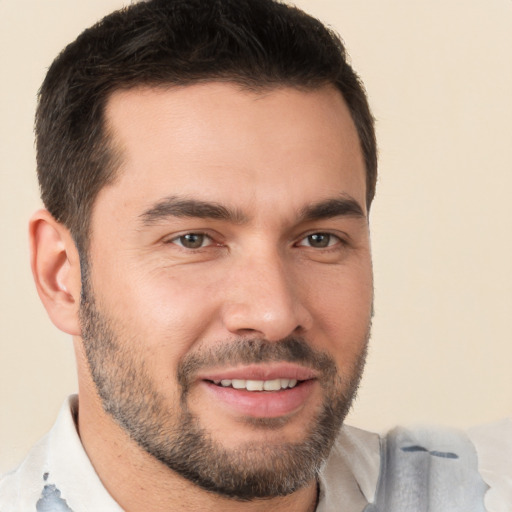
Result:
[[233, 245]]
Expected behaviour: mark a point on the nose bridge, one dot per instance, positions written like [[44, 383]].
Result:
[[263, 298]]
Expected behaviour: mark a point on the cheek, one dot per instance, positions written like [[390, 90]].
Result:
[[165, 313], [343, 313]]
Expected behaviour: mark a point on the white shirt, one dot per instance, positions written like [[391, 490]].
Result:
[[57, 475]]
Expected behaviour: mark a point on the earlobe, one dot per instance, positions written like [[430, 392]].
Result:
[[56, 269]]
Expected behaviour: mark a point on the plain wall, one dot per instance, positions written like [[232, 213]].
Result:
[[439, 78]]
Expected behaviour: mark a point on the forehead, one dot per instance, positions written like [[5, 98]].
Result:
[[218, 142]]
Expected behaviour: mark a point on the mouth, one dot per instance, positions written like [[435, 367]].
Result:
[[261, 391], [258, 385]]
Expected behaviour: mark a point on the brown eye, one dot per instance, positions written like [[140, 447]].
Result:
[[319, 240], [192, 240]]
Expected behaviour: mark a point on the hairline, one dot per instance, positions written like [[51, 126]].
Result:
[[114, 151]]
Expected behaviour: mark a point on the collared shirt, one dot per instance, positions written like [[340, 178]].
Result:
[[57, 475]]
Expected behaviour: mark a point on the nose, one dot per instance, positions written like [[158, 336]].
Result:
[[263, 299]]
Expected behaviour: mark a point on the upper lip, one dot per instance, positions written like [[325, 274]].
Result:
[[267, 371]]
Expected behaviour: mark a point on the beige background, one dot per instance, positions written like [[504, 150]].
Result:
[[439, 77]]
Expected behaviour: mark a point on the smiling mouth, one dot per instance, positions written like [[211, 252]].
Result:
[[265, 392], [258, 385]]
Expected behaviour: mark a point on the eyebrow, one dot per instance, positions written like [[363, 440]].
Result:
[[344, 206], [180, 207]]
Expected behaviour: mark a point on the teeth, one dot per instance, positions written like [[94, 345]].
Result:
[[272, 385], [238, 383], [257, 385], [254, 385]]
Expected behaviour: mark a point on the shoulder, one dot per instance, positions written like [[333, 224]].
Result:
[[21, 488], [29, 486], [493, 444], [407, 468], [464, 470], [56, 475]]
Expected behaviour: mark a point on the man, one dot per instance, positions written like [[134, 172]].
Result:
[[207, 169]]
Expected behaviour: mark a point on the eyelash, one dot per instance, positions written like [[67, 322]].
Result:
[[337, 240], [177, 240]]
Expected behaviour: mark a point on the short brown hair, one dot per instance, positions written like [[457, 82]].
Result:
[[256, 43]]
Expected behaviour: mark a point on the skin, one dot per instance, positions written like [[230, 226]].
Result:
[[267, 156]]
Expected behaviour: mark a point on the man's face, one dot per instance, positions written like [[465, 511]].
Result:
[[227, 307]]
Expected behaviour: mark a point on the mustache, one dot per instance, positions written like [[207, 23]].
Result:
[[252, 351]]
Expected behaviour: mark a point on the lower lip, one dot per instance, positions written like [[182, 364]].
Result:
[[262, 404]]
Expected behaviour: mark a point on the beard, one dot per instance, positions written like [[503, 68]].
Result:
[[177, 439]]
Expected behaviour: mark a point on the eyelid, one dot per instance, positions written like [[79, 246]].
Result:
[[341, 239], [174, 239], [206, 241]]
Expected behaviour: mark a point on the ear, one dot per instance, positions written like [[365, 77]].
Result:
[[56, 269]]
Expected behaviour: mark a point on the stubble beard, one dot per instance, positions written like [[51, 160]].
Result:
[[178, 440]]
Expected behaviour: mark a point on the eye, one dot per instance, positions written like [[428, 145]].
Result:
[[192, 240], [319, 240]]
